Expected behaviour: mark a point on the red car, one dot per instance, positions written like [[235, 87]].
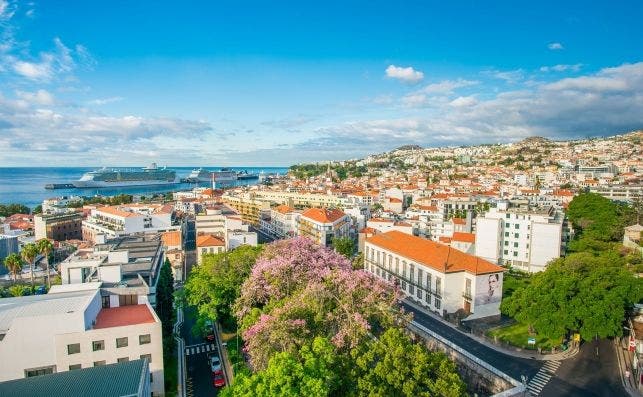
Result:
[[218, 380]]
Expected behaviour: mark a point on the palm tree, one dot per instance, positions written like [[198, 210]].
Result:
[[13, 263], [45, 247], [29, 253]]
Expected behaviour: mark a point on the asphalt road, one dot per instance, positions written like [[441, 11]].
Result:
[[198, 374], [512, 366], [592, 372]]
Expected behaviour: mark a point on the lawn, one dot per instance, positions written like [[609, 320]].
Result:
[[517, 335]]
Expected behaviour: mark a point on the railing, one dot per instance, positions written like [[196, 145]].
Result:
[[467, 295], [400, 277]]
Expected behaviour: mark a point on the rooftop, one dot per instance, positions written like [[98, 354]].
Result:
[[323, 215], [431, 254], [113, 380], [208, 240], [123, 316]]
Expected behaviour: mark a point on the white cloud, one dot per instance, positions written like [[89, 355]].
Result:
[[510, 76], [464, 101], [407, 75], [6, 11], [105, 101], [34, 71], [447, 86], [555, 46], [40, 97], [562, 68]]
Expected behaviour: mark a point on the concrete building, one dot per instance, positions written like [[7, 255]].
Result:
[[236, 238], [8, 245], [248, 205], [173, 247], [438, 277], [121, 220], [627, 193], [209, 244], [322, 225], [58, 332], [59, 226], [280, 222], [520, 236], [128, 267], [301, 199]]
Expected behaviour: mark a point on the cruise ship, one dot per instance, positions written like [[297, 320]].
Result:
[[225, 175], [106, 177], [199, 175]]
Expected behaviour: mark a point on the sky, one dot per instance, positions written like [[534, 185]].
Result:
[[231, 83]]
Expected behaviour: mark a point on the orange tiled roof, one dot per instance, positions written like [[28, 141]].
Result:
[[368, 230], [123, 315], [284, 209], [459, 221], [394, 200], [380, 220], [171, 239], [208, 240], [431, 254], [113, 210], [464, 237], [323, 215]]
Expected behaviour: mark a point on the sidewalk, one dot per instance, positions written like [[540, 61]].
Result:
[[530, 355], [623, 364]]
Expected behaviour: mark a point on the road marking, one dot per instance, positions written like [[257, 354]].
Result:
[[200, 348], [540, 380]]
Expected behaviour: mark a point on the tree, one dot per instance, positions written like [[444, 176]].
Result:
[[13, 263], [45, 247], [29, 253], [11, 209], [598, 218], [165, 304], [394, 366], [37, 209], [20, 290], [344, 246], [214, 286]]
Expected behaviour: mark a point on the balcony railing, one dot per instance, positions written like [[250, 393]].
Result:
[[400, 278]]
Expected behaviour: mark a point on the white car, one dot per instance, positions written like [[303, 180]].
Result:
[[215, 364]]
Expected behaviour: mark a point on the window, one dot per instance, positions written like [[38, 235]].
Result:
[[427, 298], [438, 285], [506, 252], [147, 356], [516, 245], [420, 278], [121, 342], [506, 243], [508, 216], [73, 348], [126, 300], [144, 339], [419, 293], [122, 360], [39, 371], [75, 366], [516, 235], [105, 300], [151, 378], [403, 268], [506, 234], [517, 226], [98, 345], [515, 253], [437, 304], [506, 224], [411, 289], [467, 287], [99, 363], [428, 281], [412, 273]]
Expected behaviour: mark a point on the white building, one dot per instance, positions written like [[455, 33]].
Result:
[[59, 332], [120, 220], [438, 277], [280, 222], [523, 237], [322, 225]]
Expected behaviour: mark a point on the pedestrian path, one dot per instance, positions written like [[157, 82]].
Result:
[[539, 381], [200, 348]]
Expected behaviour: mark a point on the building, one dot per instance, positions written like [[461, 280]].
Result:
[[301, 199], [209, 244], [59, 226], [438, 277], [627, 193], [236, 238], [128, 267], [521, 236], [280, 222], [173, 247], [213, 221], [8, 245], [120, 220], [322, 225], [248, 205], [124, 379], [59, 332]]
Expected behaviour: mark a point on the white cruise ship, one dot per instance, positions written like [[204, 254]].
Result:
[[225, 175], [106, 177], [200, 175]]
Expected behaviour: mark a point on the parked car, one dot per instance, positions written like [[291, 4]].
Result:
[[215, 364], [218, 380], [209, 331]]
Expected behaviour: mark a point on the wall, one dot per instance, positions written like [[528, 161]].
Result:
[[488, 239], [545, 244]]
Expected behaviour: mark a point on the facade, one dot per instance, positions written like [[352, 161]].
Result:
[[300, 199], [437, 277], [281, 222], [173, 247], [520, 236], [8, 245], [248, 206], [322, 225], [627, 193], [58, 332], [236, 238], [209, 244], [59, 226], [121, 220], [213, 221]]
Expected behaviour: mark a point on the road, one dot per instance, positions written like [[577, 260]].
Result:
[[592, 372], [198, 375]]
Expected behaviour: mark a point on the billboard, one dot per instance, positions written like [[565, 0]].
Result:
[[488, 289]]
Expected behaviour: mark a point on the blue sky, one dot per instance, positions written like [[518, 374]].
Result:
[[277, 83]]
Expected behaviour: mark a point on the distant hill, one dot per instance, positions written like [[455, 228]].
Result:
[[409, 147]]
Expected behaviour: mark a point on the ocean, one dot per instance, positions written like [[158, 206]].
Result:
[[26, 185]]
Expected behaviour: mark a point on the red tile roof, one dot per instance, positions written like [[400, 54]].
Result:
[[171, 239], [464, 237], [208, 240], [431, 254], [123, 315], [323, 215]]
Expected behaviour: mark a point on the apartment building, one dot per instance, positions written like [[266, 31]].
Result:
[[212, 221], [59, 226], [301, 199], [64, 331], [8, 245], [120, 220], [322, 225], [127, 267], [280, 222], [626, 193], [521, 236], [386, 225], [439, 278], [209, 244], [248, 205], [173, 246]]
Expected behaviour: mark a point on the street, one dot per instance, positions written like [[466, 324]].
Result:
[[198, 382]]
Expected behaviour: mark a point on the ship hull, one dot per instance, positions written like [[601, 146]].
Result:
[[99, 184]]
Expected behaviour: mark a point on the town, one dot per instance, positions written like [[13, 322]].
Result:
[[507, 265]]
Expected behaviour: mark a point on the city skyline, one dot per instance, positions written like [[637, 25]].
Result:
[[277, 85]]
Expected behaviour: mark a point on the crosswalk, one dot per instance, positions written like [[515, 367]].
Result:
[[539, 381], [200, 348]]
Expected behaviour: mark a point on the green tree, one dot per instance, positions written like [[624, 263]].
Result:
[[165, 304], [29, 253], [394, 366], [11, 209], [214, 285], [19, 290], [45, 247], [344, 246], [37, 209], [598, 218], [13, 263]]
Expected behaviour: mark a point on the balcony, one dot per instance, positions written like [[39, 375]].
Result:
[[467, 295]]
